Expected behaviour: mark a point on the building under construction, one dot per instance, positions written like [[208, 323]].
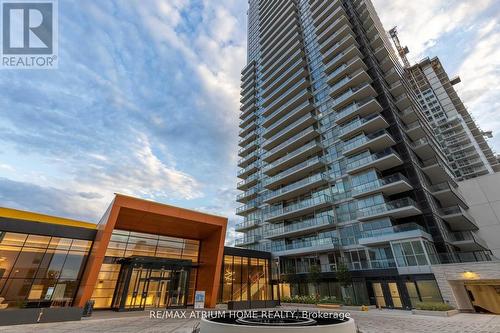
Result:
[[462, 141]]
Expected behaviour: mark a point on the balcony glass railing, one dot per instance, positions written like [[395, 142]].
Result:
[[298, 206], [247, 240], [391, 230], [247, 194], [287, 116], [327, 241], [247, 224], [252, 166], [376, 184], [297, 185], [283, 107], [249, 157], [316, 222], [289, 171], [292, 155], [455, 210], [299, 121], [461, 257], [249, 180], [351, 108], [355, 162], [282, 145], [361, 140], [386, 207], [356, 124], [249, 206]]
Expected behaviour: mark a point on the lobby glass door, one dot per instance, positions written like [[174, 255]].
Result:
[[140, 287]]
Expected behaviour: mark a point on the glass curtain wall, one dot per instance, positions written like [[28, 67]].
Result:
[[244, 279], [40, 271], [125, 244]]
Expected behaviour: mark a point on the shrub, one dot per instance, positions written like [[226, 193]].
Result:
[[329, 300], [299, 299], [433, 306]]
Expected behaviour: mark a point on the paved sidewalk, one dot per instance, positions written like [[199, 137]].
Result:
[[373, 321]]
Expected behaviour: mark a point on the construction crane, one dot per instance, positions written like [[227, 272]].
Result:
[[403, 51]]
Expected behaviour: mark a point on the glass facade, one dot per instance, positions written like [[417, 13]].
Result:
[[126, 244], [40, 271], [245, 279]]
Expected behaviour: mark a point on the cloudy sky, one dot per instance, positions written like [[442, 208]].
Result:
[[145, 100]]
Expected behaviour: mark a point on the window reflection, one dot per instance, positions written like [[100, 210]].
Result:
[[40, 271], [244, 279], [125, 244]]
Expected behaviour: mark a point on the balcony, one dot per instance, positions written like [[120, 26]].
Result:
[[340, 53], [309, 246], [319, 9], [293, 158], [289, 85], [339, 29], [295, 189], [315, 224], [461, 257], [397, 209], [370, 123], [294, 173], [292, 143], [247, 160], [247, 109], [437, 171], [408, 115], [350, 81], [382, 53], [415, 130], [247, 225], [249, 148], [390, 185], [468, 241], [280, 81], [381, 161], [290, 130], [423, 148], [247, 129], [247, 138], [393, 233], [284, 99], [247, 195], [350, 96], [403, 102], [397, 89], [448, 195], [326, 22], [299, 208], [352, 66], [246, 120], [249, 182], [295, 108], [247, 240], [374, 141], [249, 207], [362, 108], [250, 169], [458, 218], [392, 76]]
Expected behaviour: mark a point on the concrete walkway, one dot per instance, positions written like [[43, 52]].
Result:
[[373, 321]]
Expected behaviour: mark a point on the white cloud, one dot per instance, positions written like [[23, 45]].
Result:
[[421, 23]]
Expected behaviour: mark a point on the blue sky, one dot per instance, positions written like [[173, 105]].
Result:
[[145, 100]]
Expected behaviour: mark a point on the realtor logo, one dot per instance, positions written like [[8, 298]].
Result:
[[29, 34]]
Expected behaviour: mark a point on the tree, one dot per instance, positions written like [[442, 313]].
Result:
[[315, 276], [345, 279], [343, 275]]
